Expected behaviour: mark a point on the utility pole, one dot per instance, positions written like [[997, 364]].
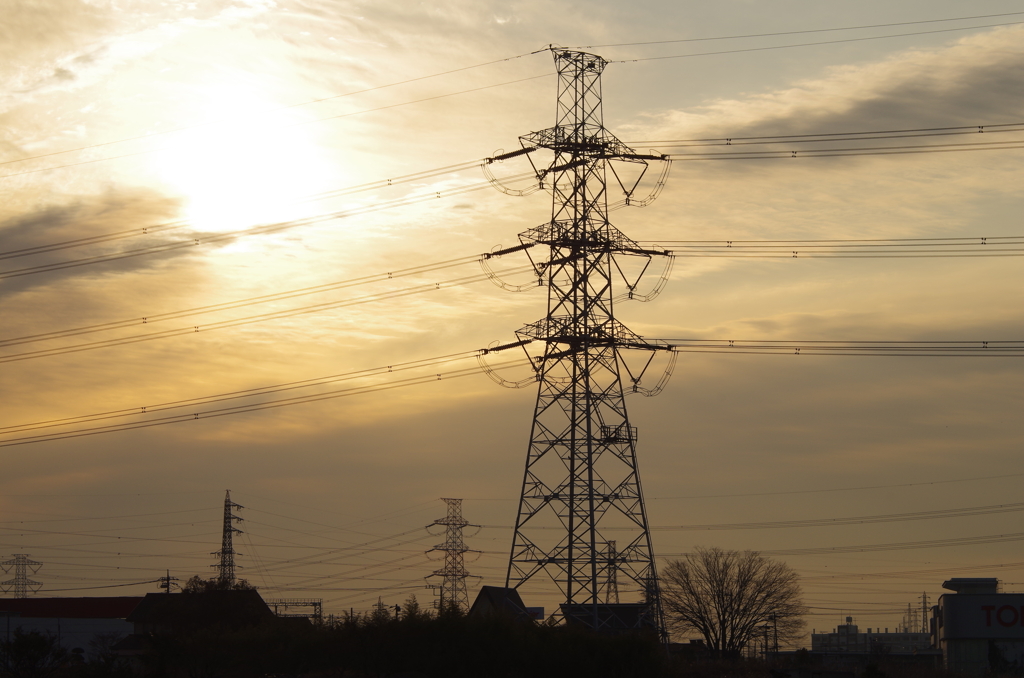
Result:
[[775, 632], [21, 583], [226, 566], [166, 582], [452, 589], [924, 613], [581, 470]]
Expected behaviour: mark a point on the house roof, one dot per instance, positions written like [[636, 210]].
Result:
[[70, 608], [498, 600], [210, 608]]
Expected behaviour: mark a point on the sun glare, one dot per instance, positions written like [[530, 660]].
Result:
[[245, 168]]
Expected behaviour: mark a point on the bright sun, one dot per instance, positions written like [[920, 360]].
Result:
[[245, 168]]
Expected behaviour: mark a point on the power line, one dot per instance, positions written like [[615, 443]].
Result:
[[255, 230], [858, 520], [121, 517], [814, 44], [239, 303], [862, 248], [844, 489], [848, 242], [896, 546], [851, 151], [182, 223], [957, 130], [835, 522], [109, 586], [814, 30], [151, 135], [241, 409], [243, 393], [415, 176], [992, 349], [907, 574], [295, 124], [248, 320]]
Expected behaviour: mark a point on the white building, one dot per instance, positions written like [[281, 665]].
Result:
[[979, 629]]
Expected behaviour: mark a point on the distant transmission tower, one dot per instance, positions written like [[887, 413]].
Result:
[[452, 588], [226, 566], [21, 583], [581, 470], [611, 587]]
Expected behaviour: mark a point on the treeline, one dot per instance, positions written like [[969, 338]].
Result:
[[446, 645]]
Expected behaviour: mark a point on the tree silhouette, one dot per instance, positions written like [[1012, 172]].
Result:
[[728, 597], [199, 585], [31, 654]]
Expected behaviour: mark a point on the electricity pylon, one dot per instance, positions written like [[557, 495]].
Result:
[[21, 583], [611, 587], [452, 589], [581, 470], [226, 565]]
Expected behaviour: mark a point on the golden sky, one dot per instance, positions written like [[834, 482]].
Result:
[[185, 125]]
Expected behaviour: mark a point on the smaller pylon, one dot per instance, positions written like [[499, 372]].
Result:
[[611, 587], [226, 566], [21, 583], [452, 589]]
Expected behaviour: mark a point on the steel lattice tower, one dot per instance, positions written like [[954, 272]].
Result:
[[611, 589], [226, 566], [21, 583], [581, 470], [452, 589]]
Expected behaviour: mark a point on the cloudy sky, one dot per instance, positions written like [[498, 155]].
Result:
[[143, 147]]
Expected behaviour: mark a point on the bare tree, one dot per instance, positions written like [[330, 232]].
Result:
[[727, 597]]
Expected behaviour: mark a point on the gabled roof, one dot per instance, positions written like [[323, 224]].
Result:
[[70, 608], [498, 600]]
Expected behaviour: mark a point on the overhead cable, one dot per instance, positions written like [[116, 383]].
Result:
[[857, 248], [983, 349], [242, 393], [813, 30], [896, 546], [852, 151], [813, 44], [857, 520], [872, 135], [256, 407], [845, 489], [181, 224], [247, 320], [683, 143], [308, 102]]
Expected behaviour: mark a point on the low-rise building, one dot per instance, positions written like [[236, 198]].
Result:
[[849, 638], [847, 648], [72, 622]]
